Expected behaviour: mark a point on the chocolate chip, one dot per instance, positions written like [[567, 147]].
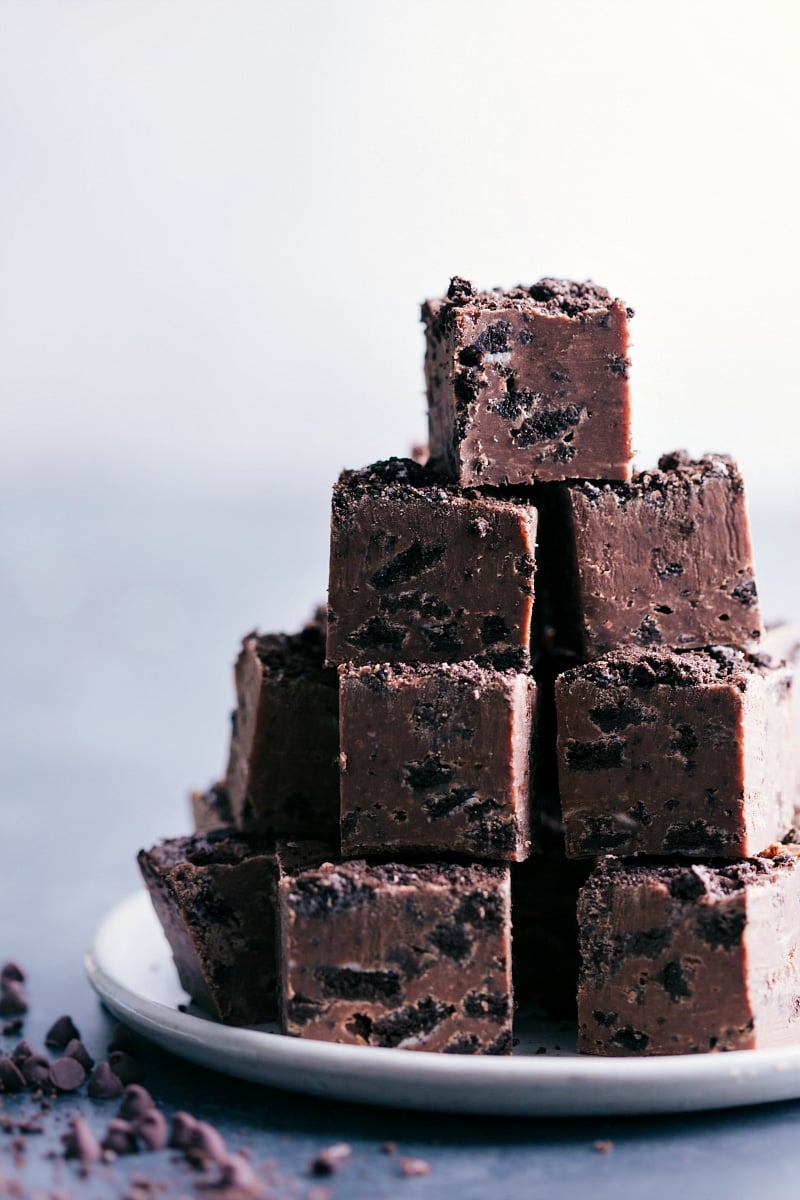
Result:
[[13, 1001], [11, 1078], [413, 1166], [13, 1027], [61, 1033], [182, 1131], [21, 1051], [124, 1067], [330, 1159], [603, 1146], [12, 972], [207, 1143], [104, 1084], [81, 1143], [389, 1148], [151, 1128], [119, 1137], [67, 1074], [237, 1175], [76, 1049], [122, 1039], [36, 1069], [136, 1101]]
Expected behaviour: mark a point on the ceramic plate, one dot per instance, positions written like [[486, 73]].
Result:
[[130, 967]]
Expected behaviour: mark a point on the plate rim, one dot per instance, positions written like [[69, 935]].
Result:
[[608, 1080]]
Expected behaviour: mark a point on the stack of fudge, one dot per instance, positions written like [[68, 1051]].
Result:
[[541, 695]]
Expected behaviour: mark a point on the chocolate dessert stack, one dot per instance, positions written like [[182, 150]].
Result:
[[537, 673]]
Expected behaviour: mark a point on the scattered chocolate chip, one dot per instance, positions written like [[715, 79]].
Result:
[[21, 1051], [389, 1148], [67, 1074], [13, 1001], [11, 1078], [12, 972], [329, 1159], [61, 1033], [136, 1101], [124, 1067], [206, 1144], [182, 1131], [104, 1084], [13, 1027], [603, 1146], [123, 1039], [81, 1143], [151, 1129], [413, 1166], [119, 1137], [238, 1176], [36, 1069], [76, 1049]]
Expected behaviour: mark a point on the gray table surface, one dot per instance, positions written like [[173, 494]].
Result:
[[122, 604]]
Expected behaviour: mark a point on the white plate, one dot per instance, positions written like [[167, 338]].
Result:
[[130, 967]]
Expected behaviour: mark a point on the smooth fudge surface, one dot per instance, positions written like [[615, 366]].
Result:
[[665, 560], [420, 572], [282, 777], [529, 384], [689, 959], [677, 753], [436, 759], [211, 809], [215, 896], [417, 957]]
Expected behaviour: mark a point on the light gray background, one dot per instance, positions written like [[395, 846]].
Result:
[[217, 223]]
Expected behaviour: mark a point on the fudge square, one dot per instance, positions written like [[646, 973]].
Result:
[[412, 956], [528, 385], [677, 753], [666, 559], [687, 959], [420, 572], [282, 776], [215, 895], [436, 759], [210, 809]]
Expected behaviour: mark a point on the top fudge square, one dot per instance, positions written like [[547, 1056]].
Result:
[[528, 385], [420, 572]]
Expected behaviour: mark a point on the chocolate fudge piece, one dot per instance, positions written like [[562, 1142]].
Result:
[[676, 753], [665, 559], [211, 809], [412, 956], [282, 776], [529, 384], [425, 573], [436, 759], [544, 898], [215, 895], [687, 959]]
